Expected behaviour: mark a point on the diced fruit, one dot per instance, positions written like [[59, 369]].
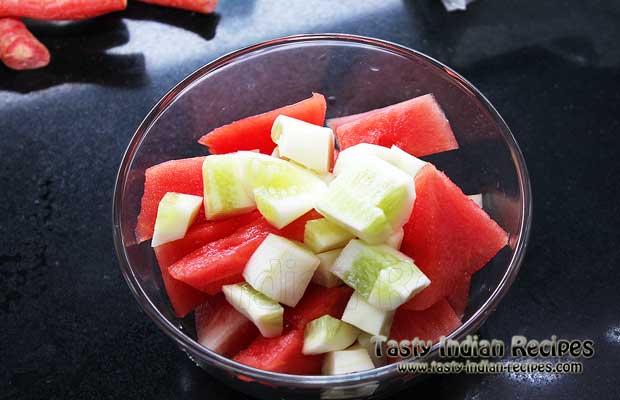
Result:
[[309, 145], [295, 230], [322, 235], [317, 301], [282, 190], [275, 152], [255, 132], [476, 198], [371, 199], [221, 328], [176, 212], [353, 359], [265, 313], [183, 297], [357, 154], [221, 262], [327, 178], [448, 235], [281, 354], [367, 317], [418, 126], [323, 275], [381, 275], [180, 176], [281, 269], [368, 342], [395, 239], [430, 324], [327, 334], [459, 298], [337, 122], [225, 186]]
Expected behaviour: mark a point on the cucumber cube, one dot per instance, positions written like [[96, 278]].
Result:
[[353, 359], [371, 199], [322, 235], [367, 317], [326, 334], [309, 145], [401, 159], [381, 275], [323, 275], [225, 185], [281, 269], [266, 314], [369, 342], [395, 239], [175, 213]]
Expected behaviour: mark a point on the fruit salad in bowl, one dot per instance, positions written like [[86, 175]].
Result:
[[293, 244]]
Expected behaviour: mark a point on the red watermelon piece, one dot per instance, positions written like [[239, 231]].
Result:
[[181, 176], [460, 297], [222, 262], [447, 235], [255, 132], [337, 122], [316, 302], [281, 354], [223, 329], [183, 297], [418, 126], [430, 324]]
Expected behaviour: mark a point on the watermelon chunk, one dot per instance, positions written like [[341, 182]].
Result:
[[255, 132], [316, 302], [222, 262], [281, 354], [460, 297], [183, 297], [430, 324], [221, 328], [181, 176], [447, 235], [337, 122], [417, 126]]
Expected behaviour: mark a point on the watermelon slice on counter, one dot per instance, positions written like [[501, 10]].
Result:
[[181, 176], [281, 354], [221, 328], [255, 132], [448, 236], [417, 126], [430, 324]]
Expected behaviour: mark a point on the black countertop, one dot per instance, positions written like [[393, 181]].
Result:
[[69, 325]]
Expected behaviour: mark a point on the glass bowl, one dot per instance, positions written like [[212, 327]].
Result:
[[355, 74]]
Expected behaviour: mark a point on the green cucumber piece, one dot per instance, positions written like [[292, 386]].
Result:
[[309, 145], [175, 213], [395, 239], [401, 159], [326, 334], [371, 199], [367, 317], [225, 185], [381, 275], [323, 275], [282, 190], [266, 314], [322, 235], [369, 342], [353, 359], [281, 269]]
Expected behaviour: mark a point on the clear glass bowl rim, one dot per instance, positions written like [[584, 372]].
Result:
[[305, 381]]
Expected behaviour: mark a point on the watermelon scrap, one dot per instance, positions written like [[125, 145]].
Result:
[[183, 297], [447, 235], [417, 126], [222, 262], [430, 324], [181, 176], [255, 132], [221, 328], [316, 302], [281, 354]]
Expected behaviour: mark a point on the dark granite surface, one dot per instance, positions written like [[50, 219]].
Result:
[[69, 327]]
